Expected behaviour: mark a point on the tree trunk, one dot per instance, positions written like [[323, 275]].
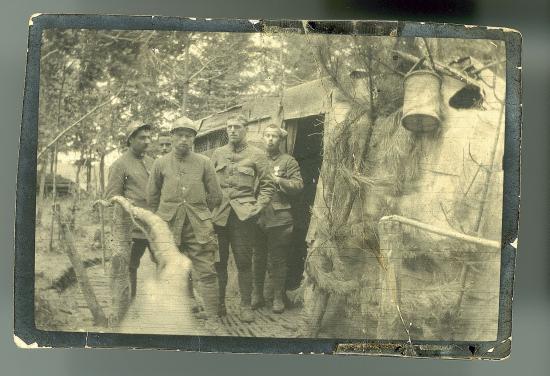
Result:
[[40, 203], [88, 174], [280, 114], [54, 197], [185, 86], [77, 180], [102, 174], [54, 159]]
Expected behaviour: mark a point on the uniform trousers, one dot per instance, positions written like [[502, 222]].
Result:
[[203, 257], [271, 253], [241, 237]]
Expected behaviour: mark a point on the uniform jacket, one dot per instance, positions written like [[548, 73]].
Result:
[[181, 188], [277, 213], [240, 171], [128, 177]]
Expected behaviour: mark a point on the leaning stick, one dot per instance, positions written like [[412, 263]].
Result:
[[81, 275]]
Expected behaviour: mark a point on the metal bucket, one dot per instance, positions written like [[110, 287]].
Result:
[[422, 101]]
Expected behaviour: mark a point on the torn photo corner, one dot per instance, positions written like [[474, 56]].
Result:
[[338, 187]]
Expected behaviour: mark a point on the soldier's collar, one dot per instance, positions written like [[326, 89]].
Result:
[[136, 155], [275, 155], [239, 148], [181, 157]]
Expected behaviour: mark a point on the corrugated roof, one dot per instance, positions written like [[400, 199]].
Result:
[[307, 99]]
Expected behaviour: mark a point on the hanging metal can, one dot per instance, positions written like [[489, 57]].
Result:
[[422, 101]]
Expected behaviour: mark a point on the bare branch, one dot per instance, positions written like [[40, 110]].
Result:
[[48, 54], [78, 122]]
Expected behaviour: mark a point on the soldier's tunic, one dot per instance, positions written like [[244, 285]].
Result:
[[128, 177], [182, 191], [240, 171], [276, 223]]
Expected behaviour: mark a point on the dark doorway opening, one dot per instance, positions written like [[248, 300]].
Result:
[[308, 151]]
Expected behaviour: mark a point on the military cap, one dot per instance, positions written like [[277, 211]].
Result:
[[134, 127], [237, 120], [282, 133], [183, 123]]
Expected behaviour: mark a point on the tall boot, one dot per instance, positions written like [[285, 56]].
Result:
[[221, 271], [133, 282], [278, 302], [258, 296], [222, 311]]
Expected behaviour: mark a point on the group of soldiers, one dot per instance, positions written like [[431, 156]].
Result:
[[238, 200]]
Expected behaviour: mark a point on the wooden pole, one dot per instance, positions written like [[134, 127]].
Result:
[[465, 272], [432, 64], [494, 148], [391, 323], [442, 231], [81, 275], [54, 197], [101, 208]]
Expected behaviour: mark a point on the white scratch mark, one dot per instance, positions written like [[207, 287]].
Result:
[[504, 29], [31, 22], [515, 243], [208, 19], [304, 26], [254, 22], [491, 350], [86, 345], [23, 345], [193, 18]]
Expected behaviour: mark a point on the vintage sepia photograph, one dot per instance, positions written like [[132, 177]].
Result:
[[269, 184]]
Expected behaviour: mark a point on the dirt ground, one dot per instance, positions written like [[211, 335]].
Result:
[[60, 305]]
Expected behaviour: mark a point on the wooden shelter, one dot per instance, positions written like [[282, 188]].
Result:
[[403, 234]]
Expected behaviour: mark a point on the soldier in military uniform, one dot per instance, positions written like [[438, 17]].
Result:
[[128, 177], [276, 222], [240, 168], [165, 143], [183, 190]]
